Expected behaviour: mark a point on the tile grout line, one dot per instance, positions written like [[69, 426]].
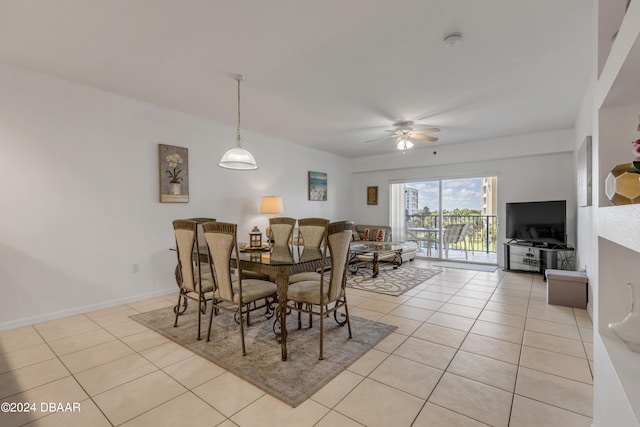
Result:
[[89, 397], [515, 385], [452, 358]]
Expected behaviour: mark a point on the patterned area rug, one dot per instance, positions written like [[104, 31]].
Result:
[[292, 381], [389, 281]]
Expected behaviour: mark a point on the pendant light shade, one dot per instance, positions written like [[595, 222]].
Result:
[[238, 158]]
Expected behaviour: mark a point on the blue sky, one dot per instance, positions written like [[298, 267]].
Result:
[[457, 193]]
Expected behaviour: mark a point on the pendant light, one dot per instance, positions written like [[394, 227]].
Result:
[[238, 158]]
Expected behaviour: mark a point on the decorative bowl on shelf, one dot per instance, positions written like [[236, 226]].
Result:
[[622, 185]]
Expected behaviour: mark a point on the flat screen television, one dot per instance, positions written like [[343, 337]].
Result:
[[540, 223]]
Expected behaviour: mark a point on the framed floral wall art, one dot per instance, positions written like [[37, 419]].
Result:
[[174, 174]]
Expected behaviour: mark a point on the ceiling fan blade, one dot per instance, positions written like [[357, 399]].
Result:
[[378, 139], [424, 137], [426, 130]]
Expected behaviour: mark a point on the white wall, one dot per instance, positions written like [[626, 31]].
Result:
[[529, 167], [80, 199], [586, 245], [79, 202]]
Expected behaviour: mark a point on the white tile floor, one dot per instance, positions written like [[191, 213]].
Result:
[[471, 349]]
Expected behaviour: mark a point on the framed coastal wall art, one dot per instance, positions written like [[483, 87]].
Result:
[[372, 195], [173, 165], [317, 186]]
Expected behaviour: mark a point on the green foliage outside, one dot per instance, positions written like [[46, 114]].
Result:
[[482, 235]]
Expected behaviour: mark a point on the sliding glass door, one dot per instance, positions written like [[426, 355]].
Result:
[[452, 219], [422, 215]]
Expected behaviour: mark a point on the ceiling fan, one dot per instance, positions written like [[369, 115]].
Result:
[[405, 135]]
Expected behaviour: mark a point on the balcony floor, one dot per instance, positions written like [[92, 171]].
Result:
[[459, 255]]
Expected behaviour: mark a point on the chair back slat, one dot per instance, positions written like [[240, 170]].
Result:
[[281, 230], [338, 239], [312, 231], [200, 233], [186, 235], [221, 241]]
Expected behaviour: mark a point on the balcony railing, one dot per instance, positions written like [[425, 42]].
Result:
[[482, 228]]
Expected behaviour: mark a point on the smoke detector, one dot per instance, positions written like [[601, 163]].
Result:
[[452, 39]]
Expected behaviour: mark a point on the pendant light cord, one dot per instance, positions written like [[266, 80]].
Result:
[[238, 158], [238, 128]]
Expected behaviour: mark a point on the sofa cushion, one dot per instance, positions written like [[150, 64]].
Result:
[[374, 234], [360, 228]]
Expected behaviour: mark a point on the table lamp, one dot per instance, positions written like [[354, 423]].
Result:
[[271, 205]]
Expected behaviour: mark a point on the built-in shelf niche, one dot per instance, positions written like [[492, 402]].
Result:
[[618, 128], [616, 102], [618, 266]]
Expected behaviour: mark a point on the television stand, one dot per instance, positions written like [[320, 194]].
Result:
[[523, 256]]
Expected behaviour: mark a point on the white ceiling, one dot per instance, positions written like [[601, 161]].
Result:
[[329, 74]]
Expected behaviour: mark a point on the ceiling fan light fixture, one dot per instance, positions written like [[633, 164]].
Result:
[[237, 158], [404, 143]]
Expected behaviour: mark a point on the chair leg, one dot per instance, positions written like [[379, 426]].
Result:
[[202, 309], [213, 309], [199, 322], [244, 351], [321, 329], [177, 309], [346, 312], [299, 305]]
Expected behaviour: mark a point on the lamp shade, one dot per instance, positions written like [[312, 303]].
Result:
[[271, 205], [238, 158]]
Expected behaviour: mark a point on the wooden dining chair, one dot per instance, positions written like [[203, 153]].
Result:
[[232, 292], [311, 234], [201, 220], [194, 278], [281, 230], [311, 231], [327, 294]]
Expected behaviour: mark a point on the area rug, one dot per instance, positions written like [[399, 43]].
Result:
[[465, 266], [389, 281], [293, 380]]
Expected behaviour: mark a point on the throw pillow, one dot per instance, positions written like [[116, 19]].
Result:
[[374, 234]]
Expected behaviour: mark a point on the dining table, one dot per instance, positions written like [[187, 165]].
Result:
[[278, 262]]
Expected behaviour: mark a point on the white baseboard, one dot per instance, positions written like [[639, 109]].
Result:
[[81, 310]]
